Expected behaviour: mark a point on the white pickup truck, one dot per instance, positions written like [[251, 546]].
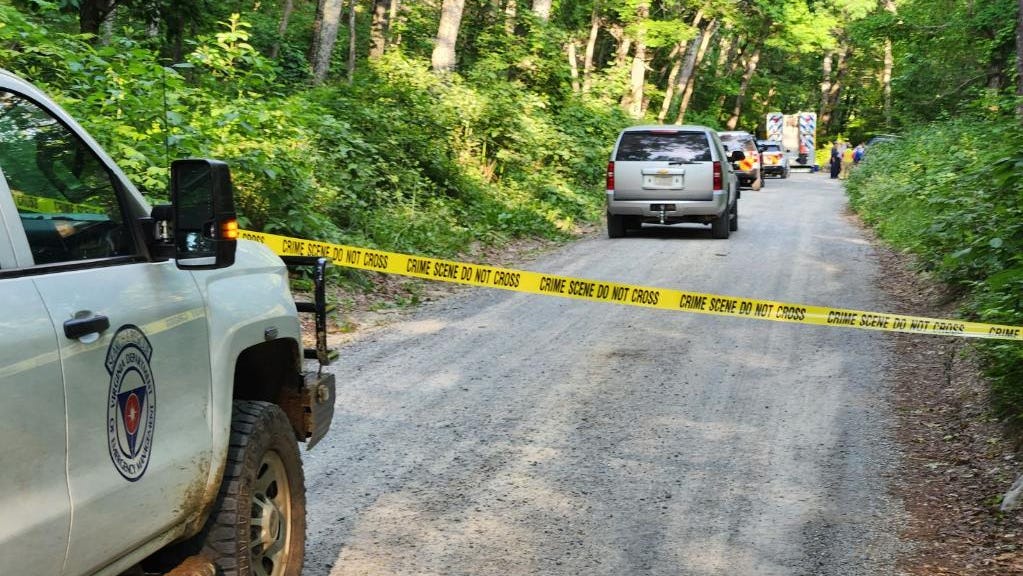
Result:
[[151, 368]]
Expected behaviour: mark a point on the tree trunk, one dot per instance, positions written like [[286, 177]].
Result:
[[835, 93], [174, 23], [886, 72], [328, 20], [573, 65], [724, 50], [825, 110], [689, 74], [511, 13], [751, 67], [727, 57], [92, 14], [591, 45], [771, 93], [886, 81], [1019, 61], [282, 28], [676, 67], [106, 28], [737, 56], [542, 9], [670, 61], [617, 32], [151, 13], [351, 40], [669, 89], [394, 39], [444, 56], [378, 29], [633, 100]]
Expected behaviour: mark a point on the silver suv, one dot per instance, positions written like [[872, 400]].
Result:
[[669, 174]]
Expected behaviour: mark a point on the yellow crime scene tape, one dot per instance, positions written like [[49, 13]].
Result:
[[584, 289], [630, 295], [40, 204]]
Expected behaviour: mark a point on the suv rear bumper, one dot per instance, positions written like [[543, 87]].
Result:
[[684, 209]]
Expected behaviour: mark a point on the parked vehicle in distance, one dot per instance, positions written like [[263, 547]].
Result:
[[667, 174], [774, 161], [749, 167], [880, 139]]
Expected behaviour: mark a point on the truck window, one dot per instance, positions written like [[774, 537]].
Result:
[[666, 146], [65, 196]]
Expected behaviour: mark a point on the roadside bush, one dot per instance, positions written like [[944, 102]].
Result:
[[952, 194]]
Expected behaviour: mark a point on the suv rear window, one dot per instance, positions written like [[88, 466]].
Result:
[[738, 142], [641, 146]]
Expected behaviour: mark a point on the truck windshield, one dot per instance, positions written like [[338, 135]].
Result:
[[647, 146]]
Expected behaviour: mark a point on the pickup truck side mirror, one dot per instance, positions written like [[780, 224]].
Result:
[[736, 156], [205, 223]]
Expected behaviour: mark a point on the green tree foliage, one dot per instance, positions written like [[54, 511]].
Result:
[[400, 159]]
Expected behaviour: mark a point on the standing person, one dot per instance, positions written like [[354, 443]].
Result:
[[836, 160], [847, 161], [858, 153]]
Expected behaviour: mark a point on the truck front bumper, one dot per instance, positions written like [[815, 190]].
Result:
[[312, 404]]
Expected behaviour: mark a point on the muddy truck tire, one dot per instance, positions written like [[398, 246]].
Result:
[[258, 523]]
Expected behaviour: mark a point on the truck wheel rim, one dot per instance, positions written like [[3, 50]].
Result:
[[271, 517]]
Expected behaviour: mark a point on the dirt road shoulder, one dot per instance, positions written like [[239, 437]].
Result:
[[957, 459]]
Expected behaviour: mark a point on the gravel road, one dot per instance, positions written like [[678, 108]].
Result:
[[510, 434]]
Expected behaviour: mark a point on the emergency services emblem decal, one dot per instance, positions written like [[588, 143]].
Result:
[[131, 406]]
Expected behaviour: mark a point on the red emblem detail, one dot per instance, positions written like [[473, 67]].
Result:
[[132, 414]]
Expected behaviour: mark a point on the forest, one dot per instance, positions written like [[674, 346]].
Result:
[[427, 126]]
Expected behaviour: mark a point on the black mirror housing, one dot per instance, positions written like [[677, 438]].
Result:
[[205, 223]]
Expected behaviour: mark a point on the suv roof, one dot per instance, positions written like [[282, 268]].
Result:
[[737, 139], [667, 128]]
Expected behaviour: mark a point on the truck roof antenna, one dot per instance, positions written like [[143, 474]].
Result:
[[163, 119]]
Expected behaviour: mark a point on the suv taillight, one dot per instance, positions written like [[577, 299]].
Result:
[[718, 183], [611, 175]]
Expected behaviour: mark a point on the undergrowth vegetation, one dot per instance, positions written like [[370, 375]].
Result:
[[951, 194], [400, 159]]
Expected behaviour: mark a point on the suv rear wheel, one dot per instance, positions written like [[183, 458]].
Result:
[[258, 523], [733, 221], [720, 227], [615, 226]]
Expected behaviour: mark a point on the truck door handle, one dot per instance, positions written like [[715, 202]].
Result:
[[77, 327]]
